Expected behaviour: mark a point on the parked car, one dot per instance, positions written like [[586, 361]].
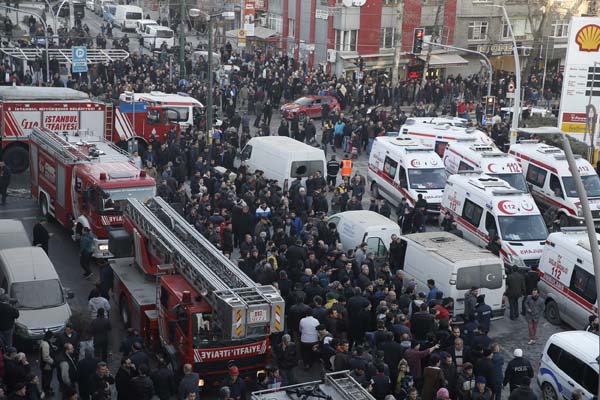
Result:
[[309, 106]]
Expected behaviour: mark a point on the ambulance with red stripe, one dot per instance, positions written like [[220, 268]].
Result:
[[470, 156], [484, 207], [438, 136], [567, 278], [401, 168], [551, 183]]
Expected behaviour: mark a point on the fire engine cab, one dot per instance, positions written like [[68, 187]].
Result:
[[84, 181], [205, 310]]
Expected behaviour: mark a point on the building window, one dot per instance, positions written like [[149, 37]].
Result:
[[276, 23], [520, 27], [390, 2], [291, 27], [560, 29], [478, 30], [482, 1], [346, 40], [387, 38]]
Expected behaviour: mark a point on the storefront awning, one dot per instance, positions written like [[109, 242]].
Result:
[[444, 60]]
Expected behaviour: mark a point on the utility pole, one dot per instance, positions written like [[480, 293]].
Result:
[[209, 98], [71, 14], [182, 10], [434, 36], [397, 43]]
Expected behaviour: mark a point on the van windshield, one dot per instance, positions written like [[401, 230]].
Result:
[[37, 294], [590, 182], [515, 180], [133, 15], [523, 228], [427, 178], [484, 277]]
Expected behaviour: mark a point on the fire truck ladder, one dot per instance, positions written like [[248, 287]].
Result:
[[242, 309], [52, 142], [347, 387]]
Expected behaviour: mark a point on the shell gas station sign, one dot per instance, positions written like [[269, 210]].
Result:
[[581, 75]]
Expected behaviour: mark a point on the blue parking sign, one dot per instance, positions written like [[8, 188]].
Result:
[[79, 55]]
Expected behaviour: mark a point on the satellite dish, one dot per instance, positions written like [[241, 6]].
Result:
[[359, 3], [348, 3]]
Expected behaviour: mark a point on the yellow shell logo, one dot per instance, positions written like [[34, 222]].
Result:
[[588, 38]]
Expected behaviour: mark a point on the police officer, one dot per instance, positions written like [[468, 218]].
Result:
[[483, 313], [333, 168], [518, 371]]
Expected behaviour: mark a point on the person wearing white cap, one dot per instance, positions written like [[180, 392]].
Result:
[[518, 371]]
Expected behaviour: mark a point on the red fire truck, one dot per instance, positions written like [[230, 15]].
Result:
[[67, 110], [84, 181], [205, 310]]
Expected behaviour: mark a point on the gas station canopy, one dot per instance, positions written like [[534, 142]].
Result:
[[94, 56]]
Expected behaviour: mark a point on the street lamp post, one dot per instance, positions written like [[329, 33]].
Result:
[[517, 103], [182, 39], [45, 34]]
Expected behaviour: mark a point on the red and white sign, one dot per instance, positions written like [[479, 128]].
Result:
[[108, 220], [507, 207], [228, 353]]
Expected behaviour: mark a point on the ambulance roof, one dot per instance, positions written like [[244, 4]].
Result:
[[163, 98], [496, 193], [24, 93], [451, 247], [487, 156], [454, 121], [411, 151], [576, 236], [550, 158]]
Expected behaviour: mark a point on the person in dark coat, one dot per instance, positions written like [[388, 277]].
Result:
[[515, 288], [4, 181], [485, 367], [495, 245], [101, 381], [532, 277], [163, 380], [523, 392], [483, 314], [392, 354], [518, 371], [41, 237], [123, 378], [100, 329], [189, 383], [85, 369], [141, 385], [287, 359], [8, 315], [138, 356]]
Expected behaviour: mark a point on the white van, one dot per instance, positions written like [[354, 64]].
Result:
[[567, 278], [361, 226], [484, 207], [155, 35], [140, 25], [438, 136], [28, 276], [12, 234], [551, 183], [569, 362], [456, 266], [283, 158], [453, 121], [127, 16], [468, 156], [401, 168]]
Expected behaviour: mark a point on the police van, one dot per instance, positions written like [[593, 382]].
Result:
[[438, 136], [400, 167], [551, 183], [484, 207], [468, 156], [567, 278]]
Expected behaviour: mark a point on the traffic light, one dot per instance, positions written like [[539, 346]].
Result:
[[490, 105], [418, 40]]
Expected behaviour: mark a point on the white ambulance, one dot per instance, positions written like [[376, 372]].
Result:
[[551, 183], [399, 167], [567, 278], [454, 121], [484, 207], [438, 136], [469, 156]]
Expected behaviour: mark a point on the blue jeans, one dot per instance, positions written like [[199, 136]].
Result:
[[346, 144], [370, 145]]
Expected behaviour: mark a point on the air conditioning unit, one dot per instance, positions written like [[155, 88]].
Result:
[[331, 55], [526, 51]]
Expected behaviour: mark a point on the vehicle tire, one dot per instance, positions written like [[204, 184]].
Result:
[[375, 190], [301, 116], [548, 392], [17, 159], [553, 313], [564, 220], [44, 206], [124, 311]]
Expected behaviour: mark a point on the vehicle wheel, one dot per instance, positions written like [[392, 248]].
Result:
[[552, 313], [124, 310], [301, 116], [564, 220], [17, 159], [44, 208], [375, 190], [548, 392]]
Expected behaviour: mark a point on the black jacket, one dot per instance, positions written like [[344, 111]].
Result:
[[142, 387], [99, 329], [164, 382], [287, 358], [8, 314], [517, 369], [122, 380], [522, 393]]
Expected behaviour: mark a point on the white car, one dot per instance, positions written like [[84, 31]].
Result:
[[90, 4]]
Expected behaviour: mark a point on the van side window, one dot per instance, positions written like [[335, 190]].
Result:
[[472, 213], [389, 167], [490, 224], [572, 366], [402, 178], [582, 283], [554, 353], [247, 152], [590, 379], [536, 175], [306, 168], [463, 166], [555, 186]]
